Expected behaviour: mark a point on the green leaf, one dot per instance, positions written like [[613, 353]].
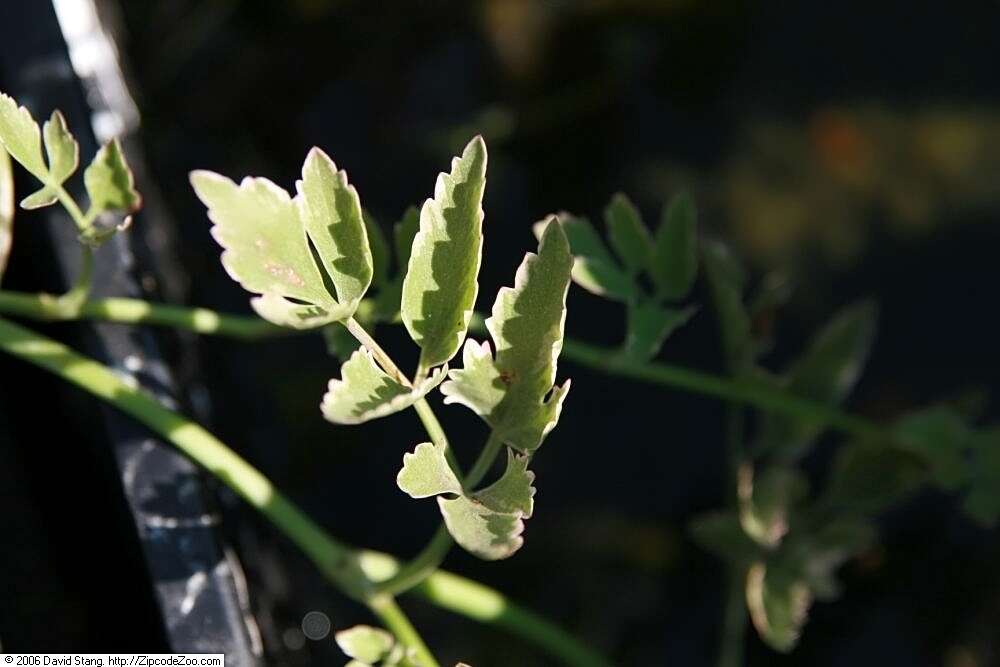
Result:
[[940, 437], [817, 555], [868, 478], [365, 643], [64, 156], [727, 282], [20, 135], [982, 500], [441, 283], [379, 249], [675, 249], [426, 473], [779, 606], [826, 373], [649, 325], [402, 236], [515, 392], [766, 502], [109, 181], [331, 211], [267, 251], [513, 493], [721, 534], [483, 532], [627, 234], [6, 209], [594, 269], [366, 392]]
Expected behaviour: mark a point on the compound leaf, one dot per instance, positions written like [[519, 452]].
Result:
[[63, 155], [675, 249], [331, 213], [485, 533], [649, 325], [20, 135], [364, 391], [365, 643], [628, 234], [426, 473], [514, 392], [6, 209], [441, 283], [109, 181], [513, 493], [825, 373]]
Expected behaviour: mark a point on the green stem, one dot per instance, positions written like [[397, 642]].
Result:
[[82, 221], [335, 560], [380, 355], [734, 621]]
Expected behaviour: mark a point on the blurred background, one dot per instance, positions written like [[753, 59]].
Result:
[[853, 146]]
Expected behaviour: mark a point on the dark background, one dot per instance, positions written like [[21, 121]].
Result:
[[855, 146]]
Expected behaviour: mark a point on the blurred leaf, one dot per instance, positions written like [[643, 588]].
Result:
[[365, 643], [402, 235], [514, 392], [426, 473], [982, 501], [825, 373], [331, 212], [627, 234], [675, 253], [727, 282], [440, 287], [779, 606], [766, 501], [940, 437], [267, 251], [63, 155], [340, 343], [379, 249], [649, 325], [20, 135], [109, 181], [366, 392], [483, 532], [6, 209], [594, 268], [818, 554], [868, 478], [721, 534]]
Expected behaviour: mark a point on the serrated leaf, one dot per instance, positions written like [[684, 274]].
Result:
[[826, 373], [721, 534], [6, 209], [364, 391], [109, 181], [779, 606], [331, 211], [594, 268], [628, 234], [20, 135], [483, 532], [441, 283], [515, 392], [365, 643], [379, 249], [266, 249], [727, 282], [649, 325], [513, 493], [675, 249], [61, 148], [426, 473]]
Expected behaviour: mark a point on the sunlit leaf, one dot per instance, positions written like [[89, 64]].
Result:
[[109, 181], [727, 282], [63, 156], [514, 392], [649, 325], [779, 606], [628, 234], [483, 532], [365, 643], [20, 135], [675, 249], [441, 283], [331, 212], [825, 373], [364, 391], [6, 209], [594, 267], [426, 473], [513, 493]]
